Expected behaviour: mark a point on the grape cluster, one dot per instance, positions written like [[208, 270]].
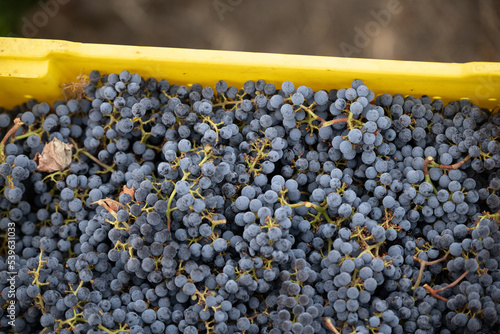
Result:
[[254, 210]]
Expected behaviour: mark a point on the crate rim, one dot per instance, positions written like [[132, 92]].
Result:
[[46, 62]]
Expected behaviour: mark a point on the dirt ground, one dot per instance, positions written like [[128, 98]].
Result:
[[427, 30], [445, 31]]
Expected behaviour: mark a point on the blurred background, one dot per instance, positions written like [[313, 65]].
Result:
[[428, 30]]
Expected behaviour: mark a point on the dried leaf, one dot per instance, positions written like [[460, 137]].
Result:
[[127, 190], [109, 204], [56, 156], [75, 90]]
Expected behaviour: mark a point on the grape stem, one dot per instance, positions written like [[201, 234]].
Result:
[[457, 165], [252, 162], [324, 123], [310, 112], [429, 162], [223, 104], [426, 173], [26, 135], [207, 150], [434, 292], [369, 248], [169, 210], [316, 207], [91, 157], [424, 263], [335, 121], [12, 131], [329, 325]]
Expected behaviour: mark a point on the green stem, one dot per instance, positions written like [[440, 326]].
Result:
[[26, 135], [370, 247], [330, 245], [145, 138], [427, 161], [223, 104], [169, 210], [321, 209], [91, 157], [259, 156], [311, 113], [154, 147], [184, 177]]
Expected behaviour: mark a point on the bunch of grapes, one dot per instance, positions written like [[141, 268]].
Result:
[[259, 209]]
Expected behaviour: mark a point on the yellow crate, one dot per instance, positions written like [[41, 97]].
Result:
[[36, 68]]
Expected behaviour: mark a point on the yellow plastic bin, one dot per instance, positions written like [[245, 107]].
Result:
[[34, 68]]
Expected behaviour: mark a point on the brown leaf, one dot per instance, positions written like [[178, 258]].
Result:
[[109, 204], [75, 90], [127, 190], [56, 156]]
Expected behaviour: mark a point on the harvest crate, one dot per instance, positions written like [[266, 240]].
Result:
[[33, 68]]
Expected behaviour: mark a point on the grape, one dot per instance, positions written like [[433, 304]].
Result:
[[370, 284], [14, 195], [320, 97], [182, 187], [339, 305], [356, 108], [184, 145], [471, 265], [456, 249], [148, 316], [350, 94], [347, 266], [355, 136], [374, 321], [47, 320], [221, 203], [287, 87]]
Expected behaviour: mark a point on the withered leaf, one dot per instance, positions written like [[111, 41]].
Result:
[[56, 156], [127, 190], [109, 204]]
